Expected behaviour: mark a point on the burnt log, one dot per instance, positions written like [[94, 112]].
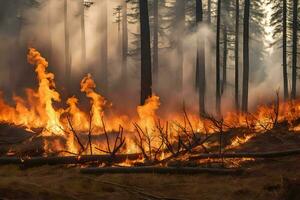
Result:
[[56, 160], [271, 154], [160, 170]]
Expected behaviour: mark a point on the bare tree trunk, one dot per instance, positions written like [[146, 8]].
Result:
[[67, 49], [237, 36], [284, 50], [104, 48], [225, 52], [295, 43], [208, 11], [246, 56], [218, 91], [146, 71], [180, 28], [155, 40], [200, 62], [83, 38], [124, 42]]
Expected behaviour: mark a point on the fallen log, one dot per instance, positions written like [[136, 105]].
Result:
[[56, 160], [159, 170], [271, 154]]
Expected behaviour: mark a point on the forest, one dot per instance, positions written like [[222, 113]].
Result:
[[149, 99]]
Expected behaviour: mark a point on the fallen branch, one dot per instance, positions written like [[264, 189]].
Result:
[[271, 154], [38, 161], [159, 170]]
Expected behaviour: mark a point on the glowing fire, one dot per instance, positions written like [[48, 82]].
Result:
[[36, 110]]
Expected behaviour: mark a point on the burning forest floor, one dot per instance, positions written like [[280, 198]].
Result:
[[263, 178]]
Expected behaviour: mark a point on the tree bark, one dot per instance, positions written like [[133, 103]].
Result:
[[200, 62], [160, 170], [225, 52], [218, 91], [209, 11], [39, 161], [67, 49], [146, 71], [155, 40], [236, 52], [124, 42], [295, 43], [246, 56], [284, 49]]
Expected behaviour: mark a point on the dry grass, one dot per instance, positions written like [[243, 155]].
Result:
[[263, 181]]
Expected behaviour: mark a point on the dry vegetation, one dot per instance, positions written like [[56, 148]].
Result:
[[265, 180]]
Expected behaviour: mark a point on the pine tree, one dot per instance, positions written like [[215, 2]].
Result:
[[246, 56], [200, 62], [146, 71]]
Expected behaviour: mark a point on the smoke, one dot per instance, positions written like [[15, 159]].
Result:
[[42, 27]]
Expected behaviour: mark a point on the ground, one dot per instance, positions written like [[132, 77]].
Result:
[[263, 180]]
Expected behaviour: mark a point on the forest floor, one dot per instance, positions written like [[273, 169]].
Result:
[[274, 179], [263, 180]]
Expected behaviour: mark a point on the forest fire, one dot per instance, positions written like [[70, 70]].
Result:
[[100, 133], [147, 93]]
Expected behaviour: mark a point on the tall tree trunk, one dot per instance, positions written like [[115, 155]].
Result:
[[83, 38], [225, 52], [208, 11], [284, 49], [124, 42], [218, 91], [236, 52], [180, 29], [67, 49], [146, 71], [200, 62], [155, 40], [246, 56], [104, 48], [295, 42]]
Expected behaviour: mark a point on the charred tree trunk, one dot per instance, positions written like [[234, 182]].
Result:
[[160, 170], [218, 91], [180, 28], [200, 62], [236, 52], [146, 71], [155, 40], [83, 39], [246, 56], [284, 49], [104, 48], [67, 49], [225, 52], [295, 43], [124, 42]]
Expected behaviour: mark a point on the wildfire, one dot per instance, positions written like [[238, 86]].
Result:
[[36, 110]]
